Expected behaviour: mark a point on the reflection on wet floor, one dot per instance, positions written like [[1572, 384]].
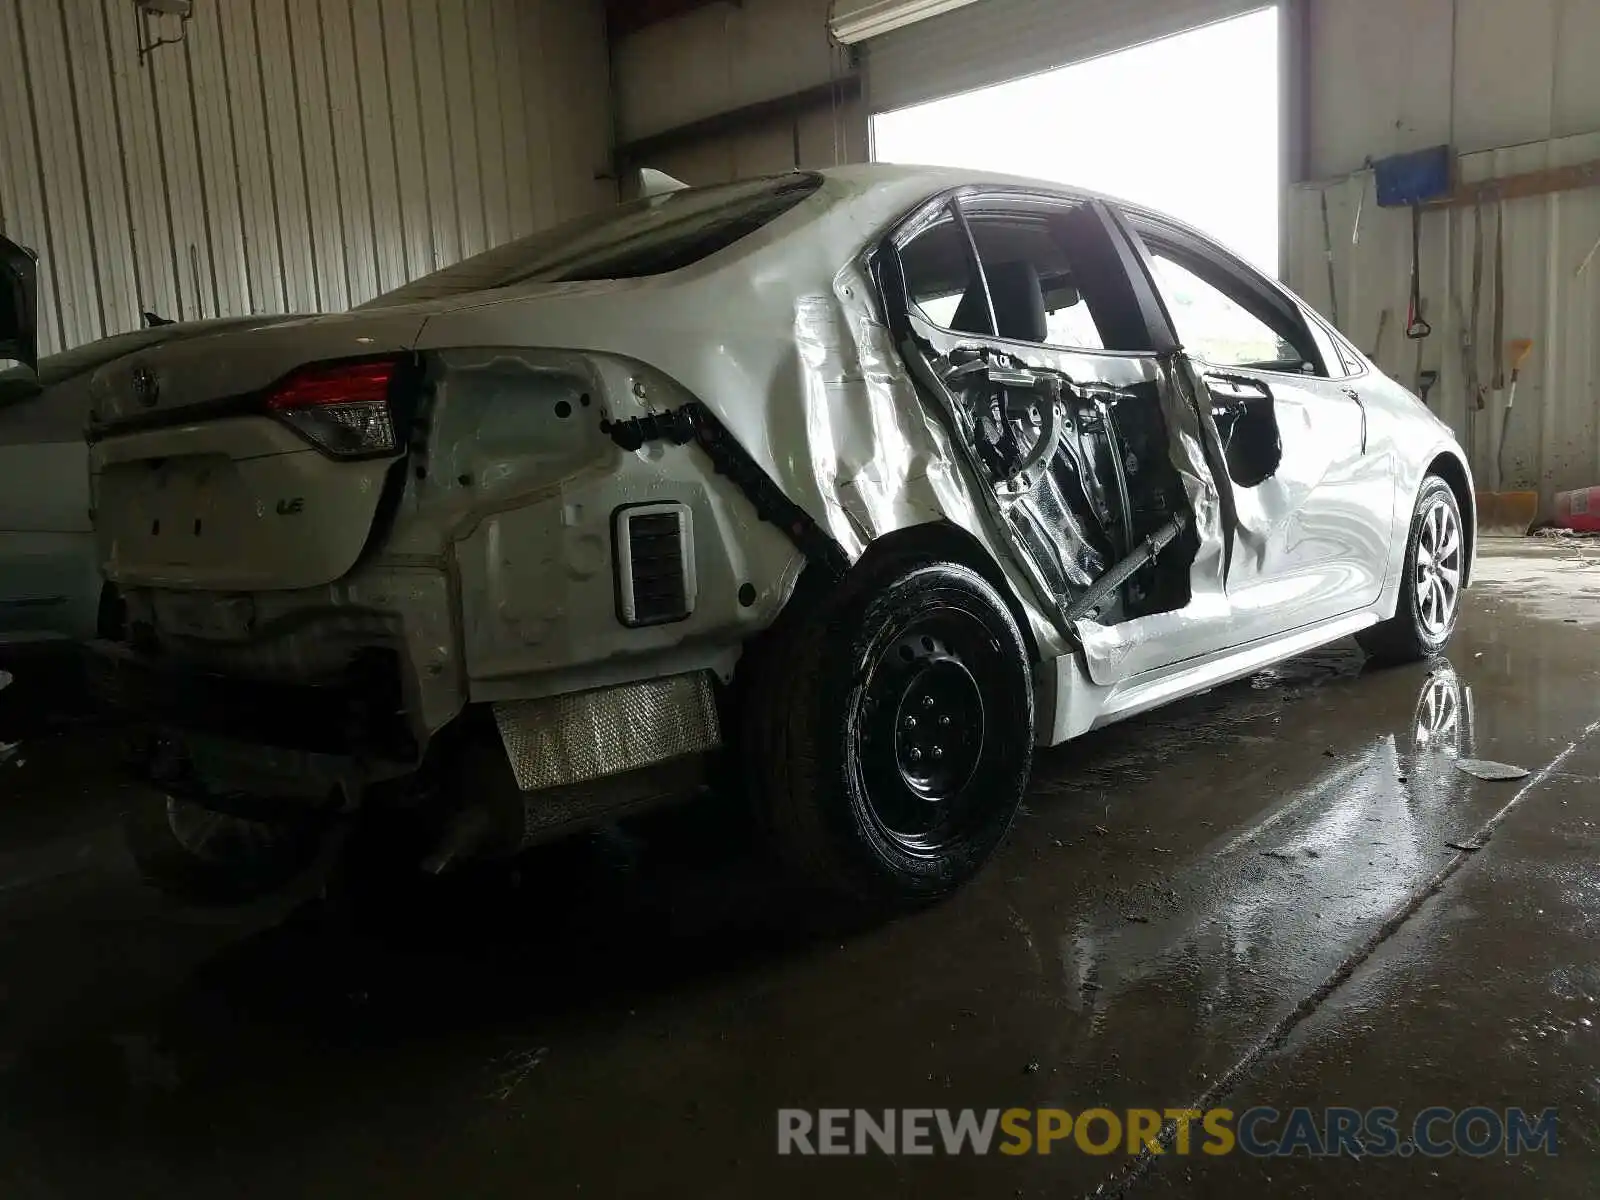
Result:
[[624, 1014]]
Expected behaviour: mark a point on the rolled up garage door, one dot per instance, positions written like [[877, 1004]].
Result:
[[992, 41]]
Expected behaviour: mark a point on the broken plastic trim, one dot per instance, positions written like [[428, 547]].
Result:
[[694, 422]]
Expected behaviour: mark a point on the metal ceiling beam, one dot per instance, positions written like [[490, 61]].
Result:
[[629, 16], [844, 90]]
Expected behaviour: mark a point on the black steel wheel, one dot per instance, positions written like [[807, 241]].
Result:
[[890, 736]]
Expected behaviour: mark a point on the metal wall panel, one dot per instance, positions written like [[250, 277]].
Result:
[[287, 155], [819, 137], [718, 58], [1553, 441], [1512, 88]]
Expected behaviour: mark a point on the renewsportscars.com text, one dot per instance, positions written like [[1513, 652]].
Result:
[[1261, 1132]]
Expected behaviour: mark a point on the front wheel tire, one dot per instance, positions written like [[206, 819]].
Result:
[[889, 737], [1430, 593]]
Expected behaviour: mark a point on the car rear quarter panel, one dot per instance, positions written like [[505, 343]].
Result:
[[781, 339]]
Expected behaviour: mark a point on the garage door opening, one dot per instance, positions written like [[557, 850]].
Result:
[[1187, 125]]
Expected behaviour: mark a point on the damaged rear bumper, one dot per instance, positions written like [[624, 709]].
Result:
[[357, 714]]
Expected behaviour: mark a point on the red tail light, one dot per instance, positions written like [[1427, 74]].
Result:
[[341, 408]]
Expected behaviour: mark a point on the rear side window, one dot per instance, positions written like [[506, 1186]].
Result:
[[940, 279], [1032, 284], [649, 236]]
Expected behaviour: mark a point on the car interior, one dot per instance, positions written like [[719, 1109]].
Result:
[[1109, 484]]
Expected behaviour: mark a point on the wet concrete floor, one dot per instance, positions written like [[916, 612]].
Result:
[[1255, 897]]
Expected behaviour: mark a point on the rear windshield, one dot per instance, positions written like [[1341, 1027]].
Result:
[[650, 236]]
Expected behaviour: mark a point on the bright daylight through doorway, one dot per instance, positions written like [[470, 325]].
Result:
[[1187, 125]]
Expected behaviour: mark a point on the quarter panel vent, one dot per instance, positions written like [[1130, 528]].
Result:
[[654, 547]]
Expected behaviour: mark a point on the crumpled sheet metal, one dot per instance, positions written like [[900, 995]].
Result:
[[791, 355], [878, 450], [579, 736], [783, 346], [865, 453], [1113, 652], [1263, 512]]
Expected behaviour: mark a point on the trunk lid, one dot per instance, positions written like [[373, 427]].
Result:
[[198, 486]]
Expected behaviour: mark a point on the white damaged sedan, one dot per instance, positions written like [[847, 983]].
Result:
[[868, 480]]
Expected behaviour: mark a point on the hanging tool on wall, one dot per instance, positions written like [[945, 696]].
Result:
[[1517, 350], [1498, 379], [1377, 341], [1425, 382], [1361, 202], [1500, 512], [1412, 180], [1417, 326], [1469, 336], [1327, 253]]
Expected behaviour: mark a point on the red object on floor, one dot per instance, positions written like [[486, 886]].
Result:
[[1579, 509]]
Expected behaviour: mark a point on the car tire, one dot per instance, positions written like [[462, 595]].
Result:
[[888, 733], [212, 859], [1430, 590]]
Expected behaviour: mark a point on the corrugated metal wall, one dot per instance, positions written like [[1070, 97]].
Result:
[[287, 155], [1512, 88], [1553, 441]]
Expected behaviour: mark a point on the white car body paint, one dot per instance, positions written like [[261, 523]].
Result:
[[50, 581], [494, 577]]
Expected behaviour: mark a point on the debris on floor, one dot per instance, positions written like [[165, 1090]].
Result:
[[1578, 512], [1485, 768]]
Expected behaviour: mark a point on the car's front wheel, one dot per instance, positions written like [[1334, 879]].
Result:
[[889, 734], [1430, 593]]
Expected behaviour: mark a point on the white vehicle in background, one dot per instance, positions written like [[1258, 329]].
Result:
[[51, 589], [50, 584], [872, 479]]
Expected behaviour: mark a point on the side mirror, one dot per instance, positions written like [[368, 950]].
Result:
[[19, 331]]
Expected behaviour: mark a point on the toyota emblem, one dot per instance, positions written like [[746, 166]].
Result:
[[145, 388]]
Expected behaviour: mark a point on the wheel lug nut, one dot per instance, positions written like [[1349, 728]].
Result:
[[938, 752], [944, 722], [916, 755], [927, 702], [911, 723]]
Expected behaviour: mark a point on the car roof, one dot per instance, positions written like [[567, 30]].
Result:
[[863, 178], [939, 179]]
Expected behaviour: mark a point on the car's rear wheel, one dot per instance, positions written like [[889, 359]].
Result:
[[1430, 593], [889, 733], [212, 858]]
